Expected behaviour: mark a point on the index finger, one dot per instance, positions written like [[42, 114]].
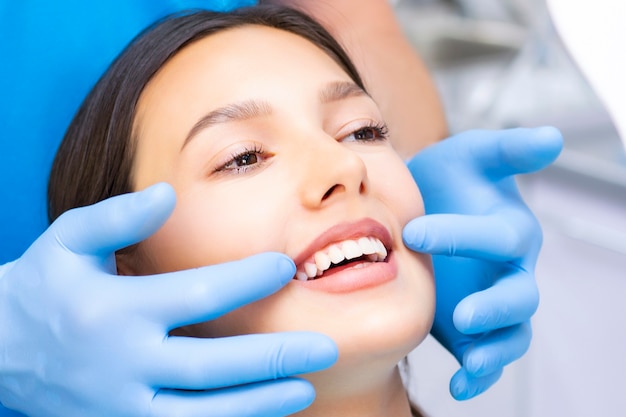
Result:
[[495, 153], [516, 151], [191, 296]]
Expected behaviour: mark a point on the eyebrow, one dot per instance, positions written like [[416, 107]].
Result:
[[233, 112], [250, 109], [340, 90]]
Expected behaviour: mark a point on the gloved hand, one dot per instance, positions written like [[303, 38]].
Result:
[[485, 243], [78, 340]]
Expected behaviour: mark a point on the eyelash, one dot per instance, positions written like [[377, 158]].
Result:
[[254, 151], [381, 134]]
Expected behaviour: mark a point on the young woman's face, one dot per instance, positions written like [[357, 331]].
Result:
[[270, 146]]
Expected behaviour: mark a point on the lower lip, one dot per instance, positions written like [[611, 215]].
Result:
[[365, 275]]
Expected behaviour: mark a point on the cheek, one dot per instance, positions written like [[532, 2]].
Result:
[[209, 227], [393, 182], [267, 315]]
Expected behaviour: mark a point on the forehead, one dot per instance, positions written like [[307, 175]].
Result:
[[240, 57], [250, 62]]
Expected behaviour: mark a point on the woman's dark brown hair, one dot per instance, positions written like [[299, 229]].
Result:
[[94, 160]]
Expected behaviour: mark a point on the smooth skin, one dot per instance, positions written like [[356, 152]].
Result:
[[305, 166]]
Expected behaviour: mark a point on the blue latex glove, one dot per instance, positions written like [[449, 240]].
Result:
[[78, 340], [485, 241]]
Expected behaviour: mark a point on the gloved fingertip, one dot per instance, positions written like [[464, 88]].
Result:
[[414, 235], [533, 149], [147, 210], [326, 352], [310, 352], [549, 134], [269, 266], [286, 268], [463, 386], [550, 140], [459, 388], [297, 397], [114, 223], [161, 194]]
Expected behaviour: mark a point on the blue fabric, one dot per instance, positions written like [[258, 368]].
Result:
[[8, 413], [52, 54]]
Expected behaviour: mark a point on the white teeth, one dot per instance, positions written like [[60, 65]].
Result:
[[310, 269], [382, 251], [322, 261], [335, 254], [367, 246], [372, 248], [351, 249]]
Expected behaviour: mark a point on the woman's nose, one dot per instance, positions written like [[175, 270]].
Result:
[[332, 171]]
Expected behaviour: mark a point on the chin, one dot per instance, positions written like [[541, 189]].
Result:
[[385, 330], [385, 337], [366, 360]]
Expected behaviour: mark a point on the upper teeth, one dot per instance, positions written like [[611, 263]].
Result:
[[338, 252]]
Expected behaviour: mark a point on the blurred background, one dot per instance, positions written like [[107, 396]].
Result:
[[499, 64]]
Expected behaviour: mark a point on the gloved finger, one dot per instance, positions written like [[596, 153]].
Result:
[[196, 295], [464, 386], [497, 349], [499, 237], [502, 153], [497, 153], [200, 364], [267, 399], [511, 300], [520, 151], [115, 223]]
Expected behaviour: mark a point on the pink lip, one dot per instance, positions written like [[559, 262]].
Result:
[[350, 279]]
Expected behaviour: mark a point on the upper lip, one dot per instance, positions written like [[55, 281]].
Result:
[[344, 231]]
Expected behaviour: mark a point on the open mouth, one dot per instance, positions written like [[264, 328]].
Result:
[[351, 253]]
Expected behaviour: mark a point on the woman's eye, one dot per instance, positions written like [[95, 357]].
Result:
[[243, 161], [368, 134]]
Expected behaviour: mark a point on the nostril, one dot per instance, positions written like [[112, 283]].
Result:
[[330, 191]]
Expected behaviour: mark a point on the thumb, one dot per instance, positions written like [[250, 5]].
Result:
[[115, 223]]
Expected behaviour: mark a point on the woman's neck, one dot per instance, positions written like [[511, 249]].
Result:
[[360, 395]]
